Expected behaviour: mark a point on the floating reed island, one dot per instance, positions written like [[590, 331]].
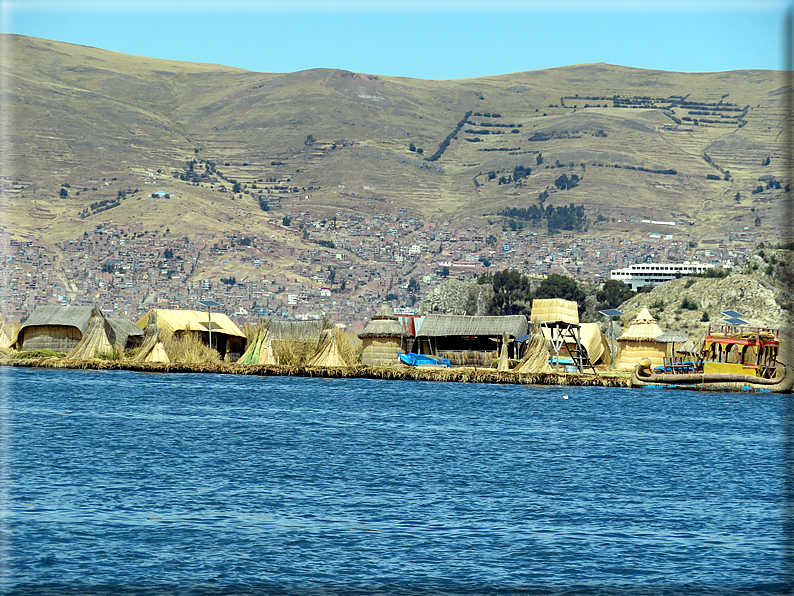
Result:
[[392, 373]]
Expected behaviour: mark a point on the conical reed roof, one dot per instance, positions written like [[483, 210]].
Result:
[[643, 328], [383, 324]]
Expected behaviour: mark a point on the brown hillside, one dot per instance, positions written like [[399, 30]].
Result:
[[332, 141]]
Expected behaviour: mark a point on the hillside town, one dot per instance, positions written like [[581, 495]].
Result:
[[310, 267]]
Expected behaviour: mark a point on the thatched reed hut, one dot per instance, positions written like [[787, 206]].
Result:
[[125, 334], [227, 338], [639, 341], [384, 339], [467, 340], [54, 327]]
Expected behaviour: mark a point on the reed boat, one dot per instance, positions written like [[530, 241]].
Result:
[[730, 358]]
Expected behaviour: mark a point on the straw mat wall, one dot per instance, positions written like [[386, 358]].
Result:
[[631, 352], [52, 337], [469, 357], [381, 351]]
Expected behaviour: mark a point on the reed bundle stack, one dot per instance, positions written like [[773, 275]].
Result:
[[504, 361], [536, 356], [256, 352], [328, 350], [152, 349], [8, 334], [95, 341], [474, 358]]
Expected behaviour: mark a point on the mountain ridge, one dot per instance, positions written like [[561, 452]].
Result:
[[84, 113]]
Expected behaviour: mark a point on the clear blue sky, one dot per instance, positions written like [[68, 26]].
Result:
[[428, 39]]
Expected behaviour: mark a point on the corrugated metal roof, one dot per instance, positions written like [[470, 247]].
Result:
[[460, 325], [179, 320]]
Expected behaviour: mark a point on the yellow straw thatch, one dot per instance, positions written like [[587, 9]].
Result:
[[554, 309]]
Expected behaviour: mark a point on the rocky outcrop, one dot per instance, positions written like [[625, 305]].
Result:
[[455, 297], [689, 304]]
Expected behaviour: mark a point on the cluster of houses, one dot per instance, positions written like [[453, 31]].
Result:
[[344, 268], [84, 332]]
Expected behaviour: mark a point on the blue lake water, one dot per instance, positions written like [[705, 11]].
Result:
[[122, 482]]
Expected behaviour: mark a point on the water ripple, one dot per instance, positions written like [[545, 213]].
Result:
[[211, 484]]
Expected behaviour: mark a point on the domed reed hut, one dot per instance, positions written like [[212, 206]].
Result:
[[383, 339], [58, 328], [639, 341], [81, 331]]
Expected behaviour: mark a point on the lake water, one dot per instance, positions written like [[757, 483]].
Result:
[[130, 483]]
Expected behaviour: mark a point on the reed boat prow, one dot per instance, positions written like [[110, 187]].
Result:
[[730, 358], [643, 376]]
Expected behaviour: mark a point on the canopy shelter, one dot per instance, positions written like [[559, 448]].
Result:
[[227, 338], [672, 338], [468, 340]]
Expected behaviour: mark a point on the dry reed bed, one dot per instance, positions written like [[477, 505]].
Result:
[[461, 375]]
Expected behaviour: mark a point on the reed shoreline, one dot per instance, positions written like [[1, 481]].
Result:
[[454, 375]]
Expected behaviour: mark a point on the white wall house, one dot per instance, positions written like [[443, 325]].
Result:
[[644, 274]]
